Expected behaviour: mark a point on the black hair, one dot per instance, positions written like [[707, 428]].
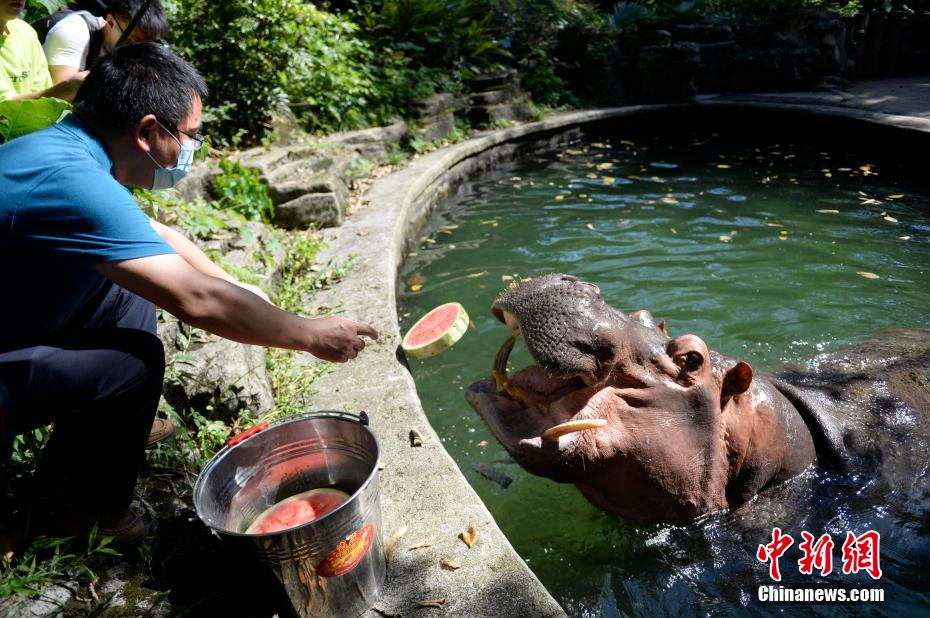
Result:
[[135, 80], [153, 22]]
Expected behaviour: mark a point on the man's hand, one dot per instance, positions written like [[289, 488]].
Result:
[[68, 88], [338, 339]]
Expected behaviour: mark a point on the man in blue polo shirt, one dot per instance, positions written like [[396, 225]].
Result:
[[84, 268]]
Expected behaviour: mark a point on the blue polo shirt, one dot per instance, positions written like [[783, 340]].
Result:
[[61, 211]]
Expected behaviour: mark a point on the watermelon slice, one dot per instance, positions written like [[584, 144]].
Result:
[[436, 331], [297, 510]]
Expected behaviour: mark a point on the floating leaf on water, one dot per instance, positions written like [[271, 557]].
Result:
[[592, 176], [589, 226], [867, 275], [726, 238], [413, 254], [904, 237], [470, 536], [896, 197], [674, 231], [827, 175], [446, 232], [669, 200], [627, 142], [420, 546], [451, 226], [723, 166], [431, 241], [599, 145], [450, 564], [515, 179], [624, 222], [605, 166], [890, 219], [828, 211], [438, 603], [844, 169], [783, 235], [416, 287], [392, 542], [476, 275], [870, 202], [416, 438], [559, 198], [506, 278], [607, 180], [416, 278], [865, 168]]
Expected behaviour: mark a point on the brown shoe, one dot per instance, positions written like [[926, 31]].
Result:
[[126, 529], [162, 429]]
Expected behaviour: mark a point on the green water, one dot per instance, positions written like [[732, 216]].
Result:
[[721, 238]]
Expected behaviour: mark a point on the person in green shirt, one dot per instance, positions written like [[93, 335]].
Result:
[[23, 69]]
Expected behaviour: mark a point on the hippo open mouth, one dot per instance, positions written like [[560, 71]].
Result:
[[542, 413]]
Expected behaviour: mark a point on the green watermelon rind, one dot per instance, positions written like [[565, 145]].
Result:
[[444, 341]]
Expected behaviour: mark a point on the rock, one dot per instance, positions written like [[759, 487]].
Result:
[[668, 72], [701, 33], [372, 143], [199, 183], [517, 110], [433, 105], [435, 127], [490, 97], [495, 81], [325, 209], [215, 376], [47, 604], [288, 190]]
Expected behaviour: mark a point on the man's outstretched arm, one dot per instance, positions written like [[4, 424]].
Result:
[[230, 311]]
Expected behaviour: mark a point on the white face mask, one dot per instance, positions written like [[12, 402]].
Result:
[[168, 177]]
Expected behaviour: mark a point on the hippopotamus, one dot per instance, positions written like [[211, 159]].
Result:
[[662, 429]]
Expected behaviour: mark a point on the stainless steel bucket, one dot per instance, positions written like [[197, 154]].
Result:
[[334, 565]]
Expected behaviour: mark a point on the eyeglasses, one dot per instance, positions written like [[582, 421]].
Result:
[[198, 139]]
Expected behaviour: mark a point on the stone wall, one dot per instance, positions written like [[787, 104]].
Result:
[[799, 50]]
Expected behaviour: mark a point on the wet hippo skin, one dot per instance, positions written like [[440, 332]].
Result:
[[689, 431]]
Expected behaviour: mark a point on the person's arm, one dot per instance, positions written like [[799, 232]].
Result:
[[230, 311], [62, 73], [197, 258], [65, 90]]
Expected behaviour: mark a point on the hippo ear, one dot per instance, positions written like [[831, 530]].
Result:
[[663, 327], [736, 382]]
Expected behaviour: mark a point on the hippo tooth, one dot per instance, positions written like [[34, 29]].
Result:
[[556, 432], [499, 372]]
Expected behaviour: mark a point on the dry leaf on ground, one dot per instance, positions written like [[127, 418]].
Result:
[[392, 543], [438, 603], [416, 438], [450, 564], [470, 536]]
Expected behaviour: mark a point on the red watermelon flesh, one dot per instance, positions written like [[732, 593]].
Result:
[[297, 510], [439, 321]]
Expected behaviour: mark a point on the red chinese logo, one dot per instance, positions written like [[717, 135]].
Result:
[[860, 553], [819, 554], [773, 551]]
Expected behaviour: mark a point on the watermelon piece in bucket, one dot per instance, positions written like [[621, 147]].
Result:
[[297, 510], [436, 331]]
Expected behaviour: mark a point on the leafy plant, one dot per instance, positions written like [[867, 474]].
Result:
[[21, 117], [241, 190]]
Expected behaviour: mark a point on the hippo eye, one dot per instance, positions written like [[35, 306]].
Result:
[[689, 361]]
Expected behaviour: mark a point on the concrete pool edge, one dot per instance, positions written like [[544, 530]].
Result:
[[422, 487]]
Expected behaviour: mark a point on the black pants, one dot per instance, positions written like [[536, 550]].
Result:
[[99, 383]]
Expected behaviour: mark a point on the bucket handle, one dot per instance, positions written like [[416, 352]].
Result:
[[362, 418]]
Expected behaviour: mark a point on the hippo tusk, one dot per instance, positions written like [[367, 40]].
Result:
[[556, 432], [499, 372]]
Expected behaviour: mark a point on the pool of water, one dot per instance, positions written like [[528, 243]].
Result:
[[768, 251]]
